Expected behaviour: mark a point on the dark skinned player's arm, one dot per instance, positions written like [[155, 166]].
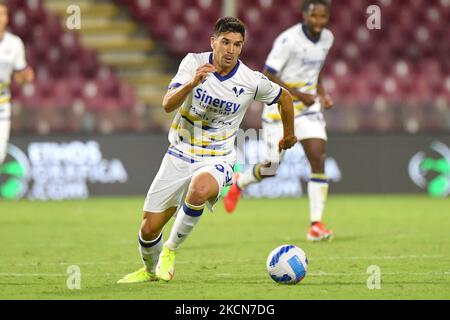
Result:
[[325, 99], [307, 99], [320, 88], [274, 78]]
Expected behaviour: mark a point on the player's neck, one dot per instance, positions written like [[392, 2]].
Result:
[[2, 34], [222, 71], [310, 34]]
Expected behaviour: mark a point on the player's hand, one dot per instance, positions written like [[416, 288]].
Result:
[[24, 76], [326, 101], [201, 73], [307, 99], [287, 143], [28, 74]]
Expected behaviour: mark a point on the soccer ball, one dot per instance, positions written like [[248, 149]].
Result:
[[287, 264]]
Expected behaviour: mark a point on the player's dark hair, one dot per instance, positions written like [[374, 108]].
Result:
[[3, 3], [307, 3], [229, 24]]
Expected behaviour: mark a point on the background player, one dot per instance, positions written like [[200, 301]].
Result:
[[214, 91], [12, 65], [295, 63]]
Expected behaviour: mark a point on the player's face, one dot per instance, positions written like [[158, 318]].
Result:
[[316, 18], [3, 17], [227, 48]]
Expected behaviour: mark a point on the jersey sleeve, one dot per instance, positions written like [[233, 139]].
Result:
[[267, 91], [331, 39], [279, 55], [186, 71], [19, 62]]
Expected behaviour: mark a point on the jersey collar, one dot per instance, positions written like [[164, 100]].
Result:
[[227, 76], [307, 35]]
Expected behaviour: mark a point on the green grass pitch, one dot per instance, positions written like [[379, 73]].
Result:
[[407, 237]]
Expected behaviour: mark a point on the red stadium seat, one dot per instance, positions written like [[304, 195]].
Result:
[[63, 70], [406, 61], [127, 97]]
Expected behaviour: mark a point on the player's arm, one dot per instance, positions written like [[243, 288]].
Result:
[[175, 97], [23, 76], [286, 109], [307, 99], [22, 73], [325, 99]]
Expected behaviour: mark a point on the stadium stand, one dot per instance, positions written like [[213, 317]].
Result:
[[393, 79], [374, 75], [70, 77]]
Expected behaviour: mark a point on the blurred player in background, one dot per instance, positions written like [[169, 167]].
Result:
[[12, 65], [211, 92], [295, 63]]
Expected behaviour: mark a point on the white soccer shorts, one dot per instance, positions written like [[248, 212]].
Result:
[[5, 126], [170, 186], [307, 126]]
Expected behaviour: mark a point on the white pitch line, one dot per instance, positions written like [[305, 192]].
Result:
[[339, 274], [382, 273], [404, 257], [379, 257], [240, 275], [55, 275]]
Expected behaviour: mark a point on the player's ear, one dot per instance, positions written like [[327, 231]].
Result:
[[212, 42]]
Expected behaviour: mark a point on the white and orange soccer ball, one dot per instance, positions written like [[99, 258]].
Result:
[[287, 264]]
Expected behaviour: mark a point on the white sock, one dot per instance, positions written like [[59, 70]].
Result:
[[187, 218], [150, 251], [250, 176], [317, 192]]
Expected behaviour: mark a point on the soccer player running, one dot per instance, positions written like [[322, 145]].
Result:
[[295, 63], [12, 65], [211, 92]]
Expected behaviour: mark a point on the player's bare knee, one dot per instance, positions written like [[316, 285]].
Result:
[[198, 193], [149, 231], [203, 187]]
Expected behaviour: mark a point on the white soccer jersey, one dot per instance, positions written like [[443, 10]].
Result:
[[206, 125], [297, 61], [12, 58]]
